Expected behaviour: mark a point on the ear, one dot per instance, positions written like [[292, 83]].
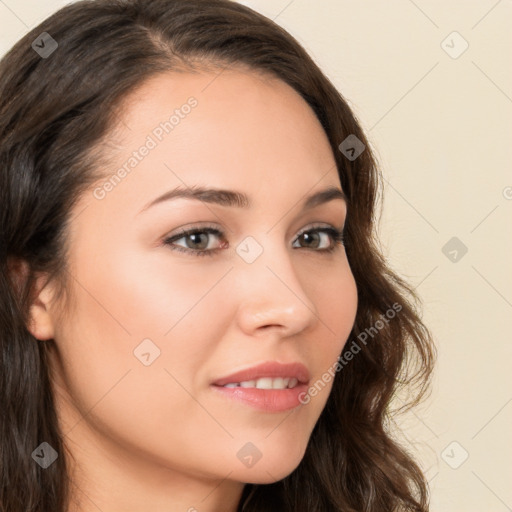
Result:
[[40, 322]]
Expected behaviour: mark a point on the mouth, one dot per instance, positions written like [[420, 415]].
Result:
[[268, 387], [266, 383]]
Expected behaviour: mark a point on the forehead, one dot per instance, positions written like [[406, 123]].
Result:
[[245, 131], [232, 104]]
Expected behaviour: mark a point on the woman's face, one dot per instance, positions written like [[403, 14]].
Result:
[[155, 324]]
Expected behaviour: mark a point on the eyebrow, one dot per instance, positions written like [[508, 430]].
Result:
[[232, 198]]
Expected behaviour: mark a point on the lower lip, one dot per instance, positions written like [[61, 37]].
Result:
[[267, 400]]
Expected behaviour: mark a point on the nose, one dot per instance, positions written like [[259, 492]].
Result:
[[271, 295]]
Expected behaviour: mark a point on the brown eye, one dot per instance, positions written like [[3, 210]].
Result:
[[197, 241], [313, 238]]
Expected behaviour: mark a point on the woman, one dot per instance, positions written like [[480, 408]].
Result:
[[137, 376]]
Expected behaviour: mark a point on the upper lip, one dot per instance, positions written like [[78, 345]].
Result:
[[271, 369]]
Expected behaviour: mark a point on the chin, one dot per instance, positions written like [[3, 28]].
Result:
[[268, 473]]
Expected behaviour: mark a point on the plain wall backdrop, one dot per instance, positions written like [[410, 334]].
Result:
[[430, 83]]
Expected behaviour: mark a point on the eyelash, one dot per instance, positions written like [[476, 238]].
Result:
[[337, 237]]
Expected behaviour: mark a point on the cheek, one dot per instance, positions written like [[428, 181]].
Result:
[[146, 294], [336, 299], [142, 318], [125, 308], [339, 296]]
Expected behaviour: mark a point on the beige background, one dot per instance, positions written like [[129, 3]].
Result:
[[441, 125]]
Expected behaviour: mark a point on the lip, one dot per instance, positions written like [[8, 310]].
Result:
[[266, 400]]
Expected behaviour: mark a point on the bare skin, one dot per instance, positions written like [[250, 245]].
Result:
[[158, 437]]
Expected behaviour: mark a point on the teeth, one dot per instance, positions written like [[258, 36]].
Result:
[[293, 382], [265, 383], [279, 383]]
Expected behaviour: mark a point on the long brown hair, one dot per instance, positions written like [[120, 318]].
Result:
[[56, 110]]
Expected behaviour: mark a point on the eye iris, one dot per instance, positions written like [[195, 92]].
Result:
[[196, 236], [309, 236]]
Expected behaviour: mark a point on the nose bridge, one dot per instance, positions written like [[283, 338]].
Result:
[[271, 293]]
